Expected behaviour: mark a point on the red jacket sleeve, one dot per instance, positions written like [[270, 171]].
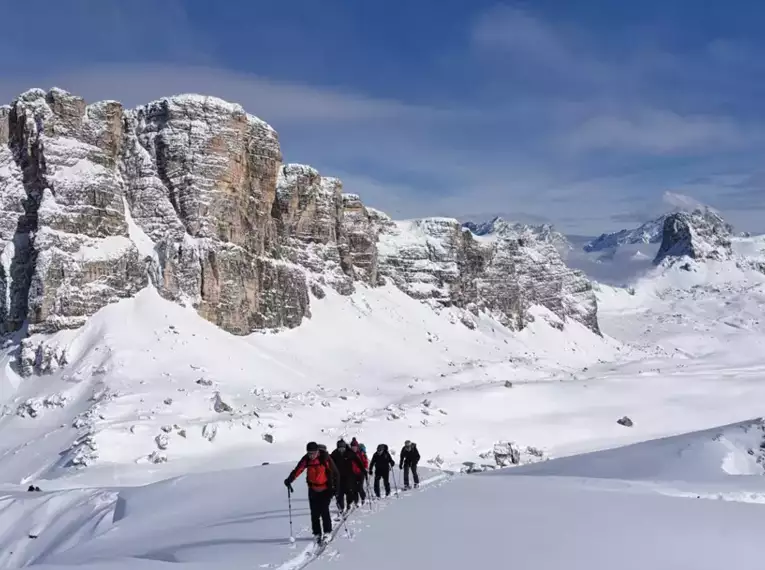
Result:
[[299, 468]]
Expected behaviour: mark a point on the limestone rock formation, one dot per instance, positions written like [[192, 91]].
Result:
[[67, 252], [700, 234], [189, 194], [504, 272], [361, 231], [309, 217]]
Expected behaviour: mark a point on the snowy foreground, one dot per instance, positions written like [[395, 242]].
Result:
[[693, 501]]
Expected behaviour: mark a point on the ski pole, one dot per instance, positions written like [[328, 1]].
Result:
[[395, 485], [372, 495], [289, 505]]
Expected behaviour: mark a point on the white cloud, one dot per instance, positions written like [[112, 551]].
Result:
[[656, 131], [516, 39], [683, 202], [275, 101], [530, 138]]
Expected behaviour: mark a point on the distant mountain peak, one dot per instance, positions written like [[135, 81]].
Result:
[[700, 234], [649, 232], [498, 226]]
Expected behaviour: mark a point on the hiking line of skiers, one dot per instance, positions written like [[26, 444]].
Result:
[[343, 473]]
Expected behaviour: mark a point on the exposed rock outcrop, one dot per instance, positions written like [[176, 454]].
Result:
[[504, 273], [189, 193], [701, 234], [361, 231], [67, 252], [309, 215]]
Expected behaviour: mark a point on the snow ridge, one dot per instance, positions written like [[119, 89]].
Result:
[[649, 232]]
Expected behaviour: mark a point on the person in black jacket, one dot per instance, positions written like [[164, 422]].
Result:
[[344, 458], [409, 459], [383, 462]]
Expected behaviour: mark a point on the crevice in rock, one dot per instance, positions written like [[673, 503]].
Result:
[[27, 148]]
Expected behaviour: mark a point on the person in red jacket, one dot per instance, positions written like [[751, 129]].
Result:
[[322, 479], [359, 472]]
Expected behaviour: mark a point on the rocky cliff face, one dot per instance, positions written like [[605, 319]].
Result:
[[189, 193], [504, 272], [67, 249], [701, 234], [361, 227]]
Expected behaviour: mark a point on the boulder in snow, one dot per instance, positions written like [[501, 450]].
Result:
[[625, 421]]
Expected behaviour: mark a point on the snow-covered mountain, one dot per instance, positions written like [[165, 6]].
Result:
[[499, 226], [504, 272], [649, 232], [700, 234], [189, 193]]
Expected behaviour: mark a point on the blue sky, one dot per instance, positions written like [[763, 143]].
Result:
[[582, 113]]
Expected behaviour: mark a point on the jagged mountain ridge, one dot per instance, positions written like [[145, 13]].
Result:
[[498, 225], [649, 232], [189, 193]]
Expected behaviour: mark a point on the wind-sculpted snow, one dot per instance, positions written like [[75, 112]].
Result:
[[189, 193]]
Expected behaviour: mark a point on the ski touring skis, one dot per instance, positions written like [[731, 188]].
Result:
[[319, 546]]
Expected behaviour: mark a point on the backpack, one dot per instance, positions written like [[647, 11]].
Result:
[[319, 475]]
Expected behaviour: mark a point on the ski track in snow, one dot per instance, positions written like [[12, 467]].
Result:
[[308, 555]]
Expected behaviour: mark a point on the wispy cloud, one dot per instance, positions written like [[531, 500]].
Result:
[[653, 131], [537, 116], [277, 101]]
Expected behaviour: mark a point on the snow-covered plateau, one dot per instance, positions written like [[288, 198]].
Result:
[[178, 326]]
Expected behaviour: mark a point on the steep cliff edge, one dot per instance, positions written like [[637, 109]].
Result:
[[700, 234], [189, 193]]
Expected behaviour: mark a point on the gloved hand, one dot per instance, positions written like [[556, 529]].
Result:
[[288, 484]]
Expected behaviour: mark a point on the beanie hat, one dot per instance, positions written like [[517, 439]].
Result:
[[312, 446], [341, 443]]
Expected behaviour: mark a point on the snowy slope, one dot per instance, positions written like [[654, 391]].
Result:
[[151, 389], [580, 513]]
